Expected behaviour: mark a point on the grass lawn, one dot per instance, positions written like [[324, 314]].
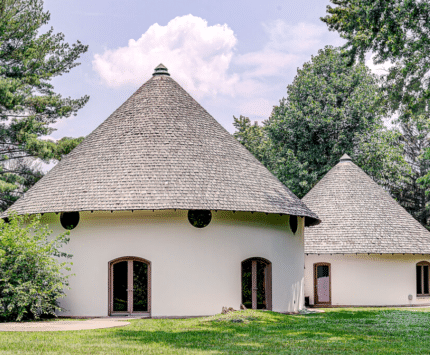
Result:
[[337, 331]]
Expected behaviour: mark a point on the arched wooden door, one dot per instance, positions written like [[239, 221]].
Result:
[[322, 284], [257, 283], [129, 286]]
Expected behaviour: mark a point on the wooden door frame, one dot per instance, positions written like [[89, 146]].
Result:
[[268, 282], [130, 294], [316, 301]]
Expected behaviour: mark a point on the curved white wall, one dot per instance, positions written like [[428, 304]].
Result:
[[194, 271], [368, 280]]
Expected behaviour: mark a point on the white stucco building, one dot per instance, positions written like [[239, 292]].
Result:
[[368, 250], [171, 216]]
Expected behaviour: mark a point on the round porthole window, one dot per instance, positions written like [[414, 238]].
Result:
[[199, 218], [69, 220]]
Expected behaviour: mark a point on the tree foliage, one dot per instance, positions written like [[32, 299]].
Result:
[[399, 32], [412, 194], [29, 105], [396, 31], [424, 181], [254, 138], [330, 106], [31, 278], [333, 108], [380, 153]]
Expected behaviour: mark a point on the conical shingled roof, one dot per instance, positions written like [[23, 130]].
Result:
[[160, 150], [359, 216]]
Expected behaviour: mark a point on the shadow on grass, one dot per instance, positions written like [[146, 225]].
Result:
[[268, 332], [248, 332]]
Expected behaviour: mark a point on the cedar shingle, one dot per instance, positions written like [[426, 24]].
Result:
[[359, 216], [160, 150]]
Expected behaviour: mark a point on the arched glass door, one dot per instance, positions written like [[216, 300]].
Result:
[[257, 283], [129, 289]]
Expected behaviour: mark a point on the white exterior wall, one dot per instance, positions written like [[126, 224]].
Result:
[[193, 271], [368, 280]]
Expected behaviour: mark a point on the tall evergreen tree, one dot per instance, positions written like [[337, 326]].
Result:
[[29, 105]]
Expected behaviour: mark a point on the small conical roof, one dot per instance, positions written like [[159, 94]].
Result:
[[160, 150], [359, 216]]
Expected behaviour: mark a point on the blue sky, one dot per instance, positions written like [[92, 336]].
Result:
[[234, 57]]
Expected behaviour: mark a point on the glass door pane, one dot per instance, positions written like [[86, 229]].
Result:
[[140, 287], [247, 283], [323, 283], [120, 284], [419, 285], [261, 285], [426, 279]]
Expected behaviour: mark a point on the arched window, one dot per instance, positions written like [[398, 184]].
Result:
[[322, 284], [257, 283], [423, 278], [129, 286]]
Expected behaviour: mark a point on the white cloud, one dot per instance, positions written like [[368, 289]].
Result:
[[266, 63], [299, 38], [288, 47], [258, 107], [199, 57], [197, 53]]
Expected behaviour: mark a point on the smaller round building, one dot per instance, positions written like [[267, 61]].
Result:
[[368, 250], [171, 216]]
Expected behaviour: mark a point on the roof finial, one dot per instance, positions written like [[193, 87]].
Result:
[[160, 70], [345, 157]]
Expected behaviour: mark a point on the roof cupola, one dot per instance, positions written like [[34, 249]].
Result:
[[345, 158], [160, 70]]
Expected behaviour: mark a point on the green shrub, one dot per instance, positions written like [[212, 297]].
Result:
[[31, 278]]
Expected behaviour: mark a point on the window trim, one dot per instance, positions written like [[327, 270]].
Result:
[[422, 263], [268, 281], [129, 259]]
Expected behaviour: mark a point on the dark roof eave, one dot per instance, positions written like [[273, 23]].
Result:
[[309, 220], [370, 253]]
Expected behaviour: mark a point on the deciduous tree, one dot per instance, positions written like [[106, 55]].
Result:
[[396, 31], [329, 106], [399, 32], [412, 193], [31, 273], [254, 138]]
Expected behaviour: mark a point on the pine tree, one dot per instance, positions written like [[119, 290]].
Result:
[[29, 60]]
